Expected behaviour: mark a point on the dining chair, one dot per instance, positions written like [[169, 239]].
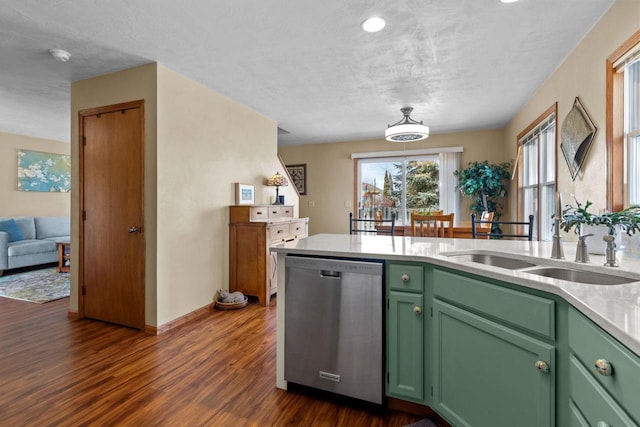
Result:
[[375, 225], [527, 225], [432, 225], [484, 224]]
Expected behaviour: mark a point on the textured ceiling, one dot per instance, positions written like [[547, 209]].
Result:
[[462, 64]]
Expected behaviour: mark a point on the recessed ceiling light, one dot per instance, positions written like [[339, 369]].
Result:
[[373, 24], [60, 55], [508, 1]]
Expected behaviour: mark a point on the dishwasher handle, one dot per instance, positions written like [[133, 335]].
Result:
[[328, 274]]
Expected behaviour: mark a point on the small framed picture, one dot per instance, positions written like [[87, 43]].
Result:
[[245, 194]]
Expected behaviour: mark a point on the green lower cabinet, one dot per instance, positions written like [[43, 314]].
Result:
[[405, 346], [486, 374], [591, 401]]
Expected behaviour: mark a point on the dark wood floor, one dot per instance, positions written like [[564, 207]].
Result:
[[218, 370]]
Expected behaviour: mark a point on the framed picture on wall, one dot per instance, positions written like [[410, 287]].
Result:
[[298, 174], [245, 194]]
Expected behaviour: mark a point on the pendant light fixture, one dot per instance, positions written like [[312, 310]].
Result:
[[407, 129]]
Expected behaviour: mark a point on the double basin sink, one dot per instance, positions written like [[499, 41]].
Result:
[[561, 273]]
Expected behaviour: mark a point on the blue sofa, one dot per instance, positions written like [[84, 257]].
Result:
[[33, 242]]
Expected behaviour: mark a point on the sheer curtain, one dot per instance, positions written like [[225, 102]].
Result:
[[449, 196]]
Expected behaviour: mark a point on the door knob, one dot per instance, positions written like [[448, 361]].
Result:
[[542, 366], [417, 309], [134, 230]]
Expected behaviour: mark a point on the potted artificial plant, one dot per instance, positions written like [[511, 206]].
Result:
[[485, 185]]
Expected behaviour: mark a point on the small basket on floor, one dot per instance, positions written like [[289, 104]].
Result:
[[231, 305]]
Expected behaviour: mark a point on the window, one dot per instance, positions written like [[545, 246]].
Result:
[[402, 182], [537, 173], [623, 125]]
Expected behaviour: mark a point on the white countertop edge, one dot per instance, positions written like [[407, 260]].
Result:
[[338, 245]]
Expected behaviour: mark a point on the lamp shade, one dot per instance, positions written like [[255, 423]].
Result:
[[407, 129], [277, 180]]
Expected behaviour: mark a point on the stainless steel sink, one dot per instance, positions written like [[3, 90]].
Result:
[[580, 276], [494, 260]]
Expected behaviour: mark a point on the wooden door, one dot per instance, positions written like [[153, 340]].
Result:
[[111, 236]]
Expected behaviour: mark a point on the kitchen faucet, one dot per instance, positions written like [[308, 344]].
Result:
[[556, 249]]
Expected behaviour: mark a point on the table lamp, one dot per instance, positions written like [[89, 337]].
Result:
[[277, 181]]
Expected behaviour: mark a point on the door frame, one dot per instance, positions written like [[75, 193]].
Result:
[[80, 262]]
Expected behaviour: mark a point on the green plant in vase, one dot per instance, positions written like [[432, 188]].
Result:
[[628, 220]]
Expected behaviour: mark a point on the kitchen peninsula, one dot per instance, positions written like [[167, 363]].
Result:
[[495, 328]]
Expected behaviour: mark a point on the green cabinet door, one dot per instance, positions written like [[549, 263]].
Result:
[[405, 346], [485, 374]]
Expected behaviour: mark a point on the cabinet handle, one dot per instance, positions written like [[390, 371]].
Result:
[[417, 309], [604, 367], [602, 424], [542, 366], [280, 231], [405, 277]]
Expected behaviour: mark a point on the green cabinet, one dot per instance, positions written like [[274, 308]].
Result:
[[604, 376], [494, 354], [406, 327], [484, 352], [487, 374]]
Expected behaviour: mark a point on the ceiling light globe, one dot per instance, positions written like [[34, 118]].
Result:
[[373, 24]]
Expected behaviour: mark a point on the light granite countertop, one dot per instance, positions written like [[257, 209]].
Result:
[[616, 308]]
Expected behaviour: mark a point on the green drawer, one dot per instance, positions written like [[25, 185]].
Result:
[[529, 312], [596, 405], [590, 343], [405, 277]]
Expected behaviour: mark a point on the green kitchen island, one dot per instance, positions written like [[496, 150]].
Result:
[[496, 333]]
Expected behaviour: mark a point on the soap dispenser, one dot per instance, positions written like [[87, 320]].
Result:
[[582, 253]]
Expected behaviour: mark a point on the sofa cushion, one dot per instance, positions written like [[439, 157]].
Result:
[[28, 226], [10, 227], [52, 226], [28, 247]]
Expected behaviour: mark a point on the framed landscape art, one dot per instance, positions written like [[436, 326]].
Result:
[[44, 172], [245, 194]]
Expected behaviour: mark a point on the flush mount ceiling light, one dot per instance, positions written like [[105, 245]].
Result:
[[508, 1], [60, 55], [373, 24], [407, 129]]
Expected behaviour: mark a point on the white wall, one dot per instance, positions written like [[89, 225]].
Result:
[[331, 174], [21, 203], [206, 143], [582, 74]]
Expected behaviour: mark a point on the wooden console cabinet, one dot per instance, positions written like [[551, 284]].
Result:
[[252, 230]]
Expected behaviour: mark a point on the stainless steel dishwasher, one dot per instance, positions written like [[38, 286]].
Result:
[[333, 326]]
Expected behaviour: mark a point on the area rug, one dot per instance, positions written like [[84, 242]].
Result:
[[37, 286]]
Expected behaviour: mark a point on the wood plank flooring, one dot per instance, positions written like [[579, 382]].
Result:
[[218, 370]]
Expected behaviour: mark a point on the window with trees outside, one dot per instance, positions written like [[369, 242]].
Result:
[[623, 129], [403, 184], [537, 173]]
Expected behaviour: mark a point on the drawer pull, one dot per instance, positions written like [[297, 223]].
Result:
[[280, 231], [542, 366], [405, 277], [604, 367], [417, 309]]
